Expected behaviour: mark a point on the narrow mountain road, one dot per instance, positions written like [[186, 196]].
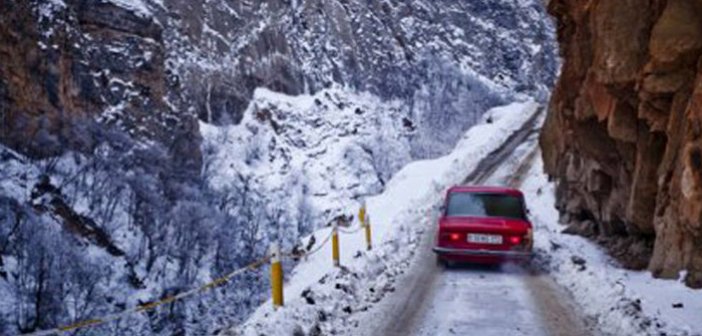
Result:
[[502, 300]]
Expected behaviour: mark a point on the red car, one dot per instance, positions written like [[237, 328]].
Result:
[[484, 225]]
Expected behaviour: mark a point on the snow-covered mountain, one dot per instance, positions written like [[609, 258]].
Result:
[[149, 146], [151, 66], [393, 49]]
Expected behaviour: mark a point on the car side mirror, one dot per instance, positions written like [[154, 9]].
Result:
[[442, 209]]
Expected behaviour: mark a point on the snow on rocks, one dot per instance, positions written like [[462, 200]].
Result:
[[310, 155], [618, 301], [321, 299], [138, 7]]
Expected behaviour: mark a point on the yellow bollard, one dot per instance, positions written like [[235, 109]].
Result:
[[362, 213], [369, 243], [335, 244], [276, 276]]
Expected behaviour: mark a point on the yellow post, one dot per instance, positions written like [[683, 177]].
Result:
[[276, 276], [369, 242], [335, 244], [362, 213]]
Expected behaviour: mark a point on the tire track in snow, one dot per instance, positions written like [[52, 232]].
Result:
[[426, 282]]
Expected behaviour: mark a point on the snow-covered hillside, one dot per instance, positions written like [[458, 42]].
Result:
[[291, 166], [311, 156], [320, 153]]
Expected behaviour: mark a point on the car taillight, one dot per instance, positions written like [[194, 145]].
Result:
[[515, 240], [450, 236]]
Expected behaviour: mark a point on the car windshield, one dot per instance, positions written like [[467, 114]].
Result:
[[484, 205]]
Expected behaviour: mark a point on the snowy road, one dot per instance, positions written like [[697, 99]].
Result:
[[397, 288], [507, 300]]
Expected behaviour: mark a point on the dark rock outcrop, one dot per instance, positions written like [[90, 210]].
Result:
[[67, 65], [623, 137]]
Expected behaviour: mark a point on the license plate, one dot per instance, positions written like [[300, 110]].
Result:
[[484, 238]]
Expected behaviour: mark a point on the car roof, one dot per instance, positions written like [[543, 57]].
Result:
[[485, 189]]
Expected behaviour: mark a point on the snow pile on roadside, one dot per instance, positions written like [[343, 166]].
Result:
[[321, 299], [619, 301]]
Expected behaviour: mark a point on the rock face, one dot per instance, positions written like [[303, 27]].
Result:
[[66, 65], [153, 67], [623, 137], [230, 47]]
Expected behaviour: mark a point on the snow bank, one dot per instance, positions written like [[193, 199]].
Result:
[[619, 301], [322, 299]]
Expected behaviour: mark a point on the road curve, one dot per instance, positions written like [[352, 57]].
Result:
[[506, 300]]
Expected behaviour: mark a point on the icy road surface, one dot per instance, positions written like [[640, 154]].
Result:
[[482, 300]]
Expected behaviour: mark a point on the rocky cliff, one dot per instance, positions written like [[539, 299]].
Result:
[[66, 66], [623, 137], [153, 67], [227, 48]]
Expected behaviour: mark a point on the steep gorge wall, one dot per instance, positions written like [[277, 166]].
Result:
[[222, 50], [153, 67], [69, 65], [623, 138]]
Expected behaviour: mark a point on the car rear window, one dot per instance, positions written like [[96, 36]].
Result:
[[485, 205]]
